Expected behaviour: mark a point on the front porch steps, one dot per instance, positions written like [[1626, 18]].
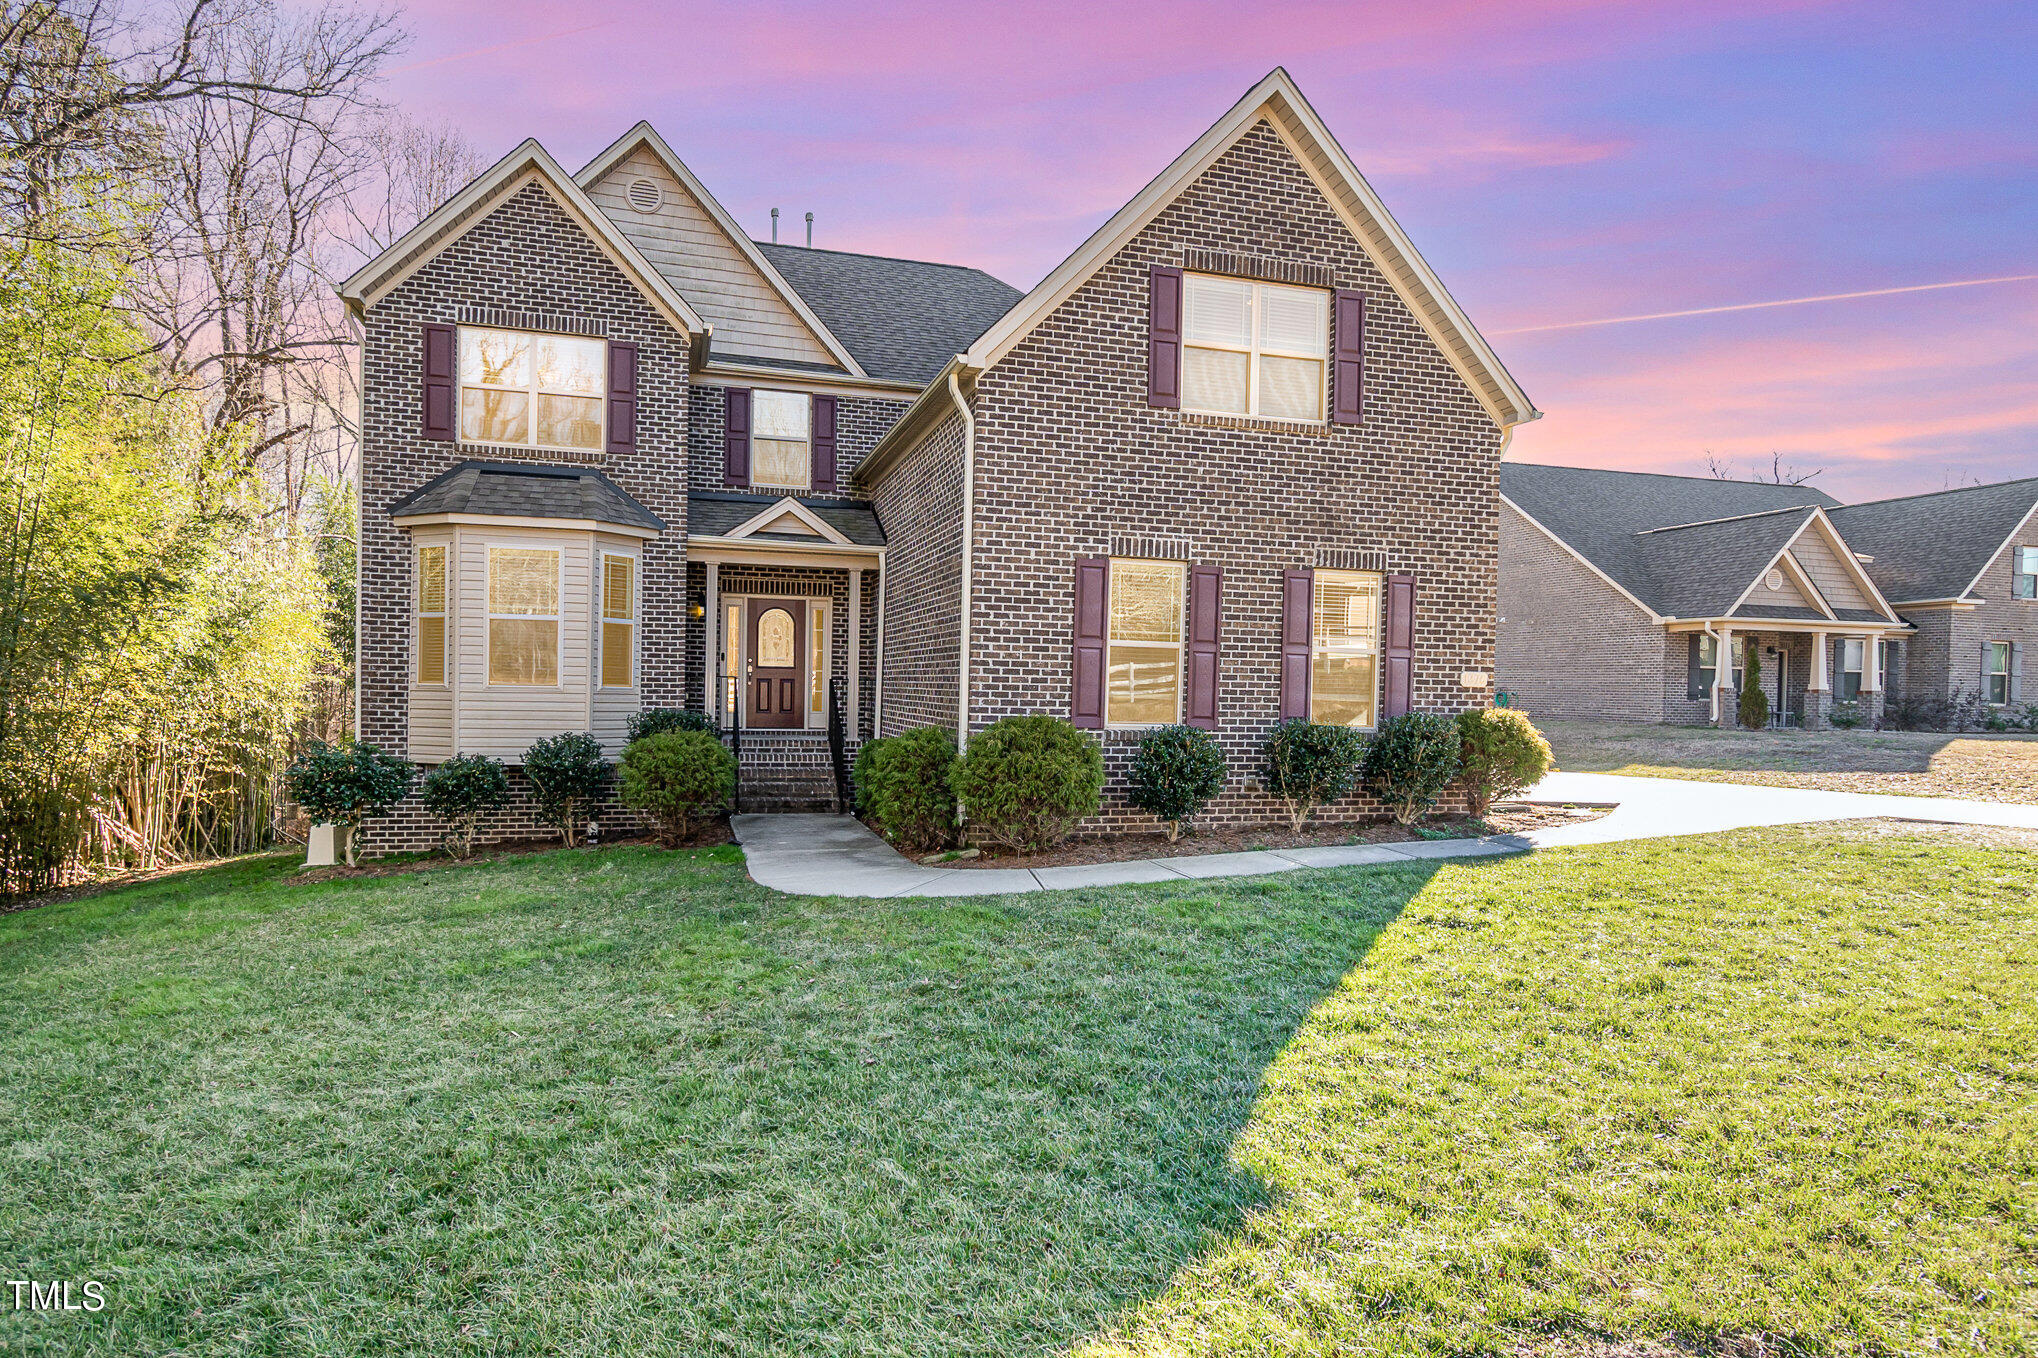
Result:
[[785, 771]]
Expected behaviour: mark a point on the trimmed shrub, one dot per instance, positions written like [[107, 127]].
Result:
[[1026, 781], [1410, 761], [677, 775], [1754, 702], [567, 775], [1847, 715], [1500, 754], [347, 784], [902, 788], [656, 721], [1175, 773], [1308, 766], [460, 792]]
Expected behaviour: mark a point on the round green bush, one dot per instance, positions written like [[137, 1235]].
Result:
[[1175, 773], [568, 775], [460, 792], [1308, 766], [1025, 781], [1410, 761], [656, 721], [347, 784], [1500, 754], [902, 788], [676, 776]]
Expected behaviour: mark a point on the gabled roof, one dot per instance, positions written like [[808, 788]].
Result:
[[524, 490], [727, 514], [1702, 570], [1936, 546], [902, 318], [528, 163], [646, 136], [1277, 100]]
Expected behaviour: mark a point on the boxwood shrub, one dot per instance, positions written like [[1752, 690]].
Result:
[[568, 775], [1410, 761], [1175, 773], [1024, 782], [1307, 765], [1500, 754], [676, 776], [656, 721], [460, 792], [903, 788], [347, 784]]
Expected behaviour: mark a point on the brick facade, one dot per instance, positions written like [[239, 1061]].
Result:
[[1946, 655], [919, 502], [860, 421], [1571, 645]]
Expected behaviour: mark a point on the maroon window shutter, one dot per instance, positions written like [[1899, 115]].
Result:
[[439, 419], [1400, 647], [736, 436], [1086, 682], [1297, 597], [1164, 338], [1348, 359], [1206, 624], [622, 397], [824, 443]]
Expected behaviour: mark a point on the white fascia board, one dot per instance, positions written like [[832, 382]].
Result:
[[1851, 562], [628, 530], [1991, 560], [789, 505]]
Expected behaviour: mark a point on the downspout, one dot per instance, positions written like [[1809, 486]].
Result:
[[969, 497]]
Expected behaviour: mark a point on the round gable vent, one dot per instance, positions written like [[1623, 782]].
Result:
[[645, 196], [1774, 580]]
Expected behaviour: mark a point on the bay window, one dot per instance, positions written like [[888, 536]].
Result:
[[781, 431], [1253, 348], [1143, 661], [1344, 649], [532, 390], [431, 615], [523, 615], [618, 620]]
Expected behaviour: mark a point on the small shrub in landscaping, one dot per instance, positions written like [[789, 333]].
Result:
[[656, 721], [1175, 773], [1754, 701], [1500, 754], [460, 792], [347, 784], [903, 788], [567, 776], [1026, 781], [1308, 766], [1411, 761], [676, 776], [1847, 715]]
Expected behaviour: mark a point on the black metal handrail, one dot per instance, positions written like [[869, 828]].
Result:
[[838, 745]]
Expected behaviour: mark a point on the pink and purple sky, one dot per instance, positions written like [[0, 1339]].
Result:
[[1557, 161]]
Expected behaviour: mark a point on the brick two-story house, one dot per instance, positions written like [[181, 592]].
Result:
[[1235, 459]]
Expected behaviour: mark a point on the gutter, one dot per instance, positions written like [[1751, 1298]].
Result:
[[969, 498]]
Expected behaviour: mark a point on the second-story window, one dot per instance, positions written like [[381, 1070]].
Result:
[[539, 391], [1253, 348], [782, 424], [2025, 585]]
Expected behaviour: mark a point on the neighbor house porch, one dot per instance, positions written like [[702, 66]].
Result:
[[1807, 673]]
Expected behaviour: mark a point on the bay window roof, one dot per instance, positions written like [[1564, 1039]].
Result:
[[520, 490]]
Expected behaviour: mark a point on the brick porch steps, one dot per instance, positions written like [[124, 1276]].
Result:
[[788, 772]]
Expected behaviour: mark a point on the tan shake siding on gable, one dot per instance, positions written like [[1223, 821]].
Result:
[[919, 503], [1827, 572], [1571, 646], [1070, 456]]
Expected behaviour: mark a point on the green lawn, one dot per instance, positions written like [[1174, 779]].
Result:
[[1780, 1084]]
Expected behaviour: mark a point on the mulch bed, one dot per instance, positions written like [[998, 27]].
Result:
[[1504, 819], [706, 835]]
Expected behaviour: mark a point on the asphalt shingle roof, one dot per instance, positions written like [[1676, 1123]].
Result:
[[1702, 570], [527, 491], [903, 319], [715, 513], [1933, 546]]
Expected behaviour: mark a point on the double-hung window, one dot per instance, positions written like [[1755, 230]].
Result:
[[1852, 660], [1886, 658], [1143, 664], [1709, 663], [1344, 649], [431, 615], [537, 391], [782, 425], [1253, 348], [1999, 672], [618, 620], [2024, 584], [523, 615]]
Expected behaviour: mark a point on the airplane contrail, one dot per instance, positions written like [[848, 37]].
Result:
[[1781, 301], [500, 47]]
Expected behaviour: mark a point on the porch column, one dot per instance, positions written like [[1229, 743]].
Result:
[[1724, 713], [1820, 682], [1871, 679], [855, 654], [711, 643], [1818, 694]]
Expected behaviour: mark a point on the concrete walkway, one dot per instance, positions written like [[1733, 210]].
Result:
[[822, 855]]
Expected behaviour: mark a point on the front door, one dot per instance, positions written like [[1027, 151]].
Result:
[[778, 662]]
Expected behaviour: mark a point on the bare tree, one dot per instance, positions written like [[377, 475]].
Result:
[[1723, 469]]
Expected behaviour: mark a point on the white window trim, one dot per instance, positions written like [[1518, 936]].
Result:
[[2009, 654], [601, 616], [1860, 671], [1181, 646], [806, 483], [823, 664], [491, 616], [534, 391], [1379, 638], [1254, 350], [419, 613]]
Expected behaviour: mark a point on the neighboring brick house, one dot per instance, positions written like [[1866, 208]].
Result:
[[1619, 590], [1235, 459]]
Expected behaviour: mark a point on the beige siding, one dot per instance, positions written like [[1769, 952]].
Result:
[[502, 721], [1790, 596], [1827, 571], [707, 268]]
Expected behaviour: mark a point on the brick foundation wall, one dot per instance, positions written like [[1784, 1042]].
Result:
[[409, 828], [1570, 645], [1070, 456]]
